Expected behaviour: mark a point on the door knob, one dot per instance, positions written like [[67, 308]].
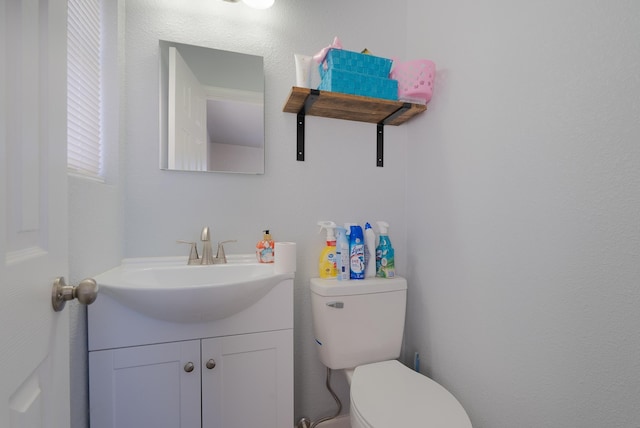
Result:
[[189, 367], [86, 292], [211, 364]]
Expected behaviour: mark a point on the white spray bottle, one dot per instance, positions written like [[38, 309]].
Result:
[[342, 254], [369, 251]]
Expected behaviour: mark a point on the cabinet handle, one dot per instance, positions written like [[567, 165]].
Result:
[[189, 367], [211, 364]]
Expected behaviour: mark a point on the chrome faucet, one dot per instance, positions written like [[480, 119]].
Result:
[[207, 252], [194, 259], [220, 256]]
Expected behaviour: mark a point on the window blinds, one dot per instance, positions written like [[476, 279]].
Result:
[[84, 88]]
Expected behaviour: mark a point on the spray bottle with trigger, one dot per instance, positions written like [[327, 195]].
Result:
[[327, 261], [385, 260], [369, 251], [342, 254]]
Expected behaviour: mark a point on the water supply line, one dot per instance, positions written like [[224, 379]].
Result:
[[306, 422]]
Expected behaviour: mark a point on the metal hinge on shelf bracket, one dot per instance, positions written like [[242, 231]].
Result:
[[311, 98], [380, 132]]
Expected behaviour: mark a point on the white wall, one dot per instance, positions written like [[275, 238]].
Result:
[[521, 193], [162, 206], [524, 208], [96, 220]]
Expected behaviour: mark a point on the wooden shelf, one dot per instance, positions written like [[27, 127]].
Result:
[[350, 107], [335, 105]]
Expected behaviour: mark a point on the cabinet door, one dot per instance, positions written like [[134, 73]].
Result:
[[251, 383], [146, 386]]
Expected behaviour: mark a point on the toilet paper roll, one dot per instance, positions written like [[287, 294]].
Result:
[[285, 257]]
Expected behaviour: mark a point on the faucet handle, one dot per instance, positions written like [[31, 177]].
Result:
[[220, 254], [205, 236], [193, 252]]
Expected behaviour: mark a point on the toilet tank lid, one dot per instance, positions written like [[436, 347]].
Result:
[[333, 287]]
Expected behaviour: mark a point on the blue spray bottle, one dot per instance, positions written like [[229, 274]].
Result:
[[356, 251]]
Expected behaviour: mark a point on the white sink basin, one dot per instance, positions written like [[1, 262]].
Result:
[[166, 288]]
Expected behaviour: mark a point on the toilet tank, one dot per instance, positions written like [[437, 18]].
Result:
[[359, 321]]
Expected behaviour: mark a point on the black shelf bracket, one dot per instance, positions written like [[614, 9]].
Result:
[[380, 145], [308, 102], [314, 94], [380, 132]]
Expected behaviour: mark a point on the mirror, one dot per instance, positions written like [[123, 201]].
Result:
[[211, 110]]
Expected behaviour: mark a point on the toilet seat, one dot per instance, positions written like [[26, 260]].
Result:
[[390, 395]]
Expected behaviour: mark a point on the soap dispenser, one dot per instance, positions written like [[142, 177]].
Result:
[[265, 248]]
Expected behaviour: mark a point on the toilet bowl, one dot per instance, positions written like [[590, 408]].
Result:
[[358, 327], [390, 395]]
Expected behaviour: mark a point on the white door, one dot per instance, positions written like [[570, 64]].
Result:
[[187, 131], [34, 340]]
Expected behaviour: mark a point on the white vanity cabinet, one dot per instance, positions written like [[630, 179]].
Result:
[[146, 386], [244, 387], [232, 381], [233, 372]]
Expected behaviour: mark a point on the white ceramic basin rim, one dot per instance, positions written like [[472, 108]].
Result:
[[168, 289]]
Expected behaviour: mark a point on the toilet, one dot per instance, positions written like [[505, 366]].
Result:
[[358, 327]]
